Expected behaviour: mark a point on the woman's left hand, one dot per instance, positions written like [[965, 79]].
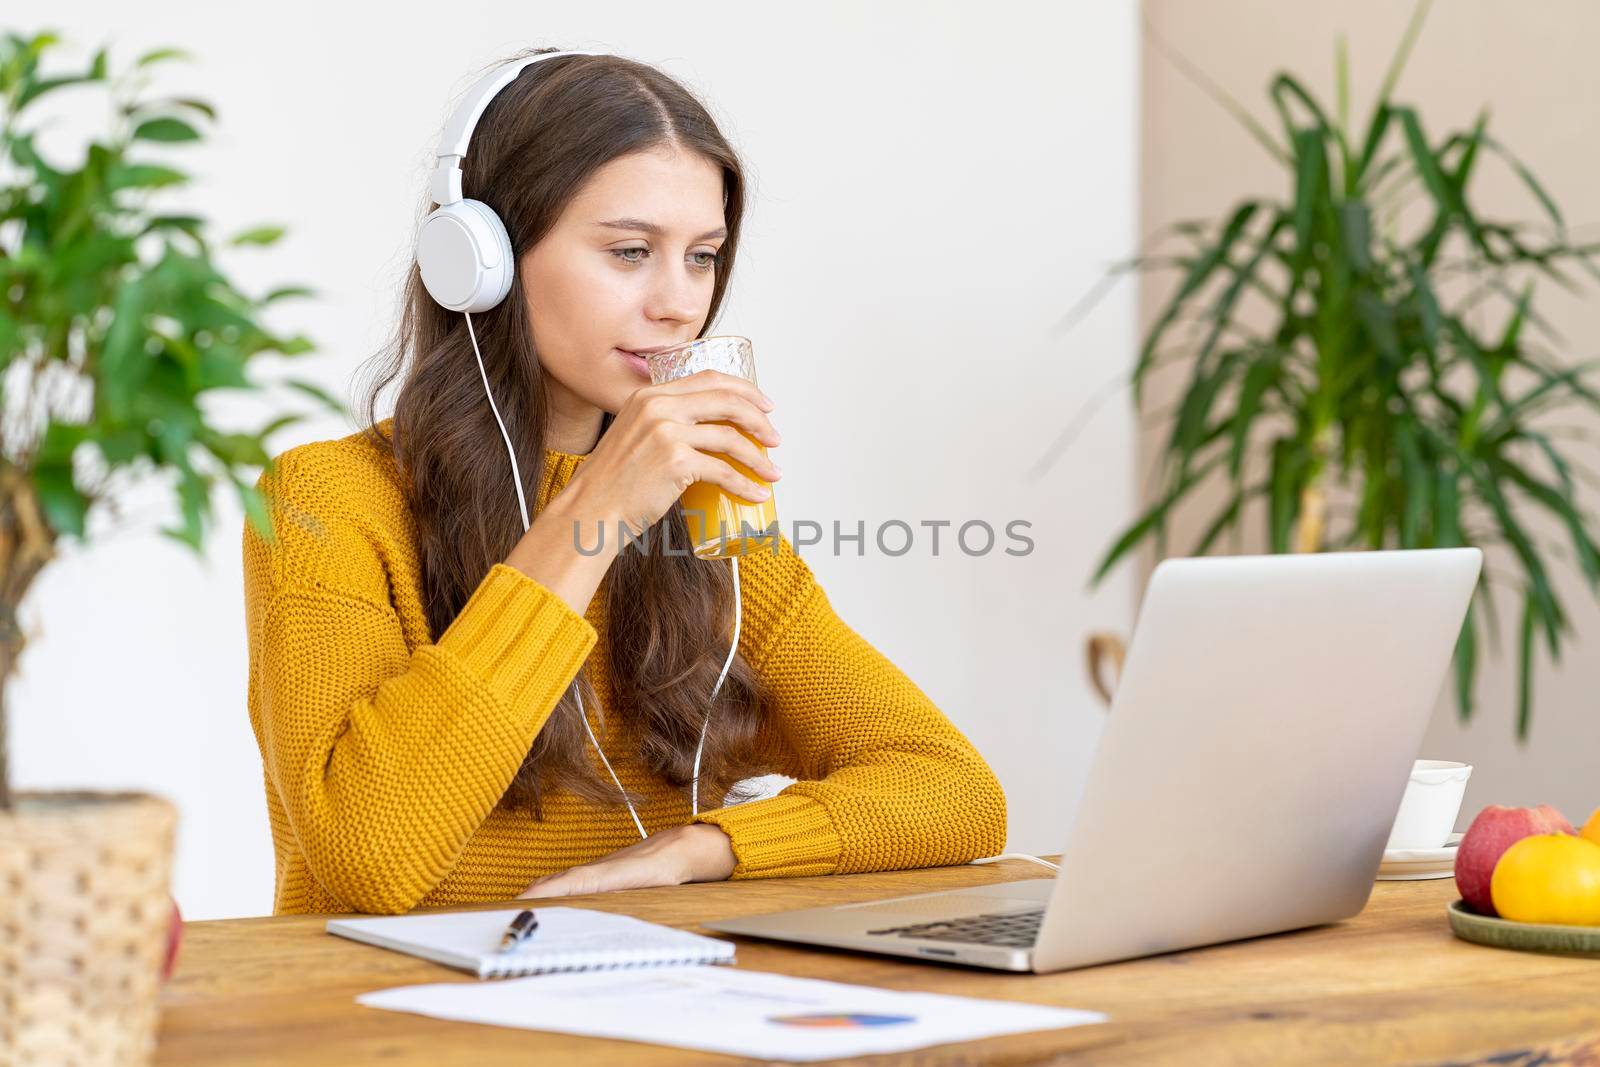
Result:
[[698, 852]]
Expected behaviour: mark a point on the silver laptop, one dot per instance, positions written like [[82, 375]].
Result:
[[1261, 737]]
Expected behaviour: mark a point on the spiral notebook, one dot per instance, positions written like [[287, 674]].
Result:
[[568, 939]]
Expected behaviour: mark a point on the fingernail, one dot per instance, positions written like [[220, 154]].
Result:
[[767, 402]]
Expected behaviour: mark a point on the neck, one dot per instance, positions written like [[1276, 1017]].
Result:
[[576, 436]]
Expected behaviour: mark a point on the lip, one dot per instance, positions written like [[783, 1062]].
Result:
[[636, 360], [647, 351]]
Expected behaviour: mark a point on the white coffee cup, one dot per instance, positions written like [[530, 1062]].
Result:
[[1430, 805]]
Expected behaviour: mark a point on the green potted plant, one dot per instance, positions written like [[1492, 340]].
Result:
[[1365, 358], [114, 322]]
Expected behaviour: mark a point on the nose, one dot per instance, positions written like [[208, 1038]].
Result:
[[676, 295]]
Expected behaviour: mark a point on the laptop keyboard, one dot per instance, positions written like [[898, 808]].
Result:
[[1018, 929]]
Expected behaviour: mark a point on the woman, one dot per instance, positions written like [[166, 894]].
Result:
[[418, 660]]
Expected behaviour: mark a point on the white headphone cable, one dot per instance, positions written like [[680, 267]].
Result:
[[694, 783], [1018, 856], [733, 647], [516, 475]]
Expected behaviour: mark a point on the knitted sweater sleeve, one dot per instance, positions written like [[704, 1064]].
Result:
[[387, 751], [886, 780]]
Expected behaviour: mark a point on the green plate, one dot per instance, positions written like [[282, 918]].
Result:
[[1529, 937]]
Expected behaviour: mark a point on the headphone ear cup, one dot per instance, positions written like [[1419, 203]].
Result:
[[498, 282], [464, 254]]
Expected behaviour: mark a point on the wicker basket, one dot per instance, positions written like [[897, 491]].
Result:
[[84, 914]]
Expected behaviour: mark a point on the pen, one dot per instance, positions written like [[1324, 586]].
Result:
[[521, 928]]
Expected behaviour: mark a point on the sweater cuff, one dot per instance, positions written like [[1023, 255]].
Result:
[[786, 836], [520, 638]]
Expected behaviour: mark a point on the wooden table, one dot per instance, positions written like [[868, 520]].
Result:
[[1392, 985]]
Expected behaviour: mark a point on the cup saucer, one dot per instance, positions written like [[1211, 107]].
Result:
[[1408, 864]]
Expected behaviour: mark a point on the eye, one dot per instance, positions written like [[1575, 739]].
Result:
[[705, 261]]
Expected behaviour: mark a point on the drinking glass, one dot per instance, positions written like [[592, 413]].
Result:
[[721, 525]]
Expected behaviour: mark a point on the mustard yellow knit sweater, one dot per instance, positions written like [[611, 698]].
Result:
[[386, 753]]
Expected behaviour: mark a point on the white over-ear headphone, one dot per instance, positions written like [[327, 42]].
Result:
[[462, 247], [465, 257]]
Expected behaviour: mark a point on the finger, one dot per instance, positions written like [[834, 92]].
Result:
[[704, 467], [724, 405], [547, 887], [721, 405], [731, 444], [711, 380]]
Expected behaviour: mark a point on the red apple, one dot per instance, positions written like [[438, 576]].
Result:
[[174, 937], [1496, 829]]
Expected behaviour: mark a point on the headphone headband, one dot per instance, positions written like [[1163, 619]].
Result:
[[445, 183], [463, 250]]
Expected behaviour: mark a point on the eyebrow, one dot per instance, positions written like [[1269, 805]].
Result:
[[655, 231]]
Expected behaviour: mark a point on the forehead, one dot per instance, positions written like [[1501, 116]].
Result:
[[679, 190]]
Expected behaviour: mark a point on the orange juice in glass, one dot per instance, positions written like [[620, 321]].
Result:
[[720, 524]]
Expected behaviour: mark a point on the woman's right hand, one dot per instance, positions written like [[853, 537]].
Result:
[[659, 444]]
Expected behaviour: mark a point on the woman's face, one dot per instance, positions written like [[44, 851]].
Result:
[[628, 265]]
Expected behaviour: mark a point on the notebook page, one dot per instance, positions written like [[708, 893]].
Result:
[[567, 939]]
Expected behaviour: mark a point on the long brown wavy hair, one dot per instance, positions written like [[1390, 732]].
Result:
[[669, 617]]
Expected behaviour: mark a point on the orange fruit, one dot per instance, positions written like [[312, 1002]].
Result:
[[1591, 829], [1549, 878]]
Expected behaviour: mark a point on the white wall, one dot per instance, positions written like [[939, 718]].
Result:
[[933, 185]]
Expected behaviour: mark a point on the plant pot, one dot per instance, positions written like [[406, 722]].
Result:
[[84, 913]]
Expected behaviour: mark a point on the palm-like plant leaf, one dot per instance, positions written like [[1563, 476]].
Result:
[[1376, 373]]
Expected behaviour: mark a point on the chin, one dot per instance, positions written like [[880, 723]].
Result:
[[614, 403]]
